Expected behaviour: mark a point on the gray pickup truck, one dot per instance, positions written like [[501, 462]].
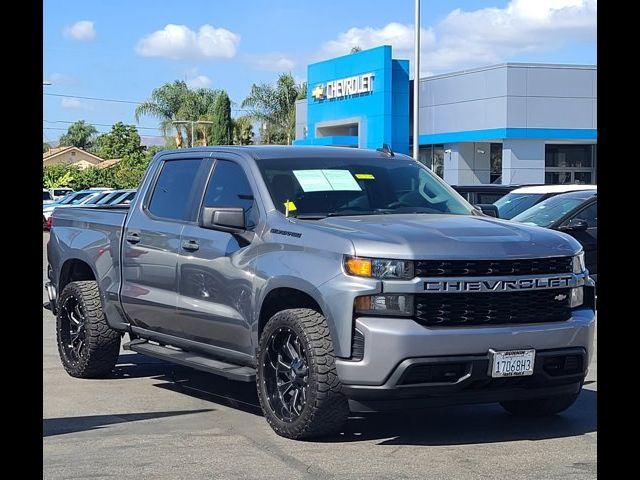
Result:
[[338, 280]]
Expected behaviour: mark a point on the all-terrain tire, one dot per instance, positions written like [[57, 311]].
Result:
[[99, 353], [542, 407], [326, 409]]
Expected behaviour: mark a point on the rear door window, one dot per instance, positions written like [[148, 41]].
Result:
[[171, 198]]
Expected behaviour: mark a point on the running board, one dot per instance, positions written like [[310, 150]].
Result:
[[193, 360]]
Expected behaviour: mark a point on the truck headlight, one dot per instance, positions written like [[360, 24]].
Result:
[[578, 263], [577, 297], [379, 268], [393, 305]]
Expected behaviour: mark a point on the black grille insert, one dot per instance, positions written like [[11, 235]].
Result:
[[472, 268], [461, 309]]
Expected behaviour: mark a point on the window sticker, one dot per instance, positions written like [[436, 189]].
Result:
[[365, 176], [312, 181], [342, 180], [326, 180]]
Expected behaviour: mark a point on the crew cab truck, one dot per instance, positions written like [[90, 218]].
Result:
[[338, 280]]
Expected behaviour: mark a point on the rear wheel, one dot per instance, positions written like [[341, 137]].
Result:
[[298, 388], [542, 407], [88, 346]]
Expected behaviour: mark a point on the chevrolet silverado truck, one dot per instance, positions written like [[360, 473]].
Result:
[[338, 280]]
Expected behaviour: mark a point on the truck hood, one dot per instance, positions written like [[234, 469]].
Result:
[[415, 236]]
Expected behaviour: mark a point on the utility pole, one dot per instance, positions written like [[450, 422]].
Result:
[[416, 82], [192, 122]]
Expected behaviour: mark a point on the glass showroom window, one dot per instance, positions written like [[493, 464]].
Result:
[[570, 163], [495, 174], [433, 157]]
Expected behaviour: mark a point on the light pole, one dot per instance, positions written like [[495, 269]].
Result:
[[192, 122], [416, 81]]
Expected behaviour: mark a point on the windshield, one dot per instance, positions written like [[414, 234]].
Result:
[[95, 199], [548, 211], [46, 195], [74, 198], [320, 187], [514, 203], [60, 192]]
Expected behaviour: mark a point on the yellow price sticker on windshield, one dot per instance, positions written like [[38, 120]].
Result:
[[290, 206], [365, 176]]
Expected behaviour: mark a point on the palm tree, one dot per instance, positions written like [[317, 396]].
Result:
[[275, 106], [165, 104]]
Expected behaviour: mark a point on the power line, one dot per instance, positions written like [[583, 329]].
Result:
[[65, 129], [92, 98], [130, 102], [100, 124]]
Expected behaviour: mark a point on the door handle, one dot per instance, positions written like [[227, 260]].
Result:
[[132, 238], [190, 245]]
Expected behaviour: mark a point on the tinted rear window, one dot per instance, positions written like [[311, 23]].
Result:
[[173, 189]]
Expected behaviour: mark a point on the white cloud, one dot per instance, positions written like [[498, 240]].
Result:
[[73, 103], [83, 31], [465, 39], [195, 79], [273, 62], [179, 41], [62, 79]]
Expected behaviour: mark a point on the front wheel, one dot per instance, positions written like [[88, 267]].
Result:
[[298, 388], [542, 407]]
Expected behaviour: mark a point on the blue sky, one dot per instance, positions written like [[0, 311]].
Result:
[[122, 49]]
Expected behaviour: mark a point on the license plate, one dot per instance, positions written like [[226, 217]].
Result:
[[512, 363]]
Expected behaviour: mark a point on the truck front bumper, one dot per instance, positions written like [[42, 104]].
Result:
[[408, 365]]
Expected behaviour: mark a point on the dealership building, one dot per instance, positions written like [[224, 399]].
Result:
[[514, 123]]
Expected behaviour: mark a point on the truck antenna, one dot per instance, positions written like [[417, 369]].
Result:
[[386, 149]]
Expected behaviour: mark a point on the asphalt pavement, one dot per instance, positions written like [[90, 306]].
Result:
[[154, 420]]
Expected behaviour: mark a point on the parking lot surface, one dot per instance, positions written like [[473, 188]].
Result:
[[155, 420]]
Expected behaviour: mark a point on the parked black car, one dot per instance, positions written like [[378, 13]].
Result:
[[575, 213], [484, 193]]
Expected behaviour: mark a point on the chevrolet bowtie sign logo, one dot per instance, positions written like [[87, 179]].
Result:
[[344, 87], [318, 92]]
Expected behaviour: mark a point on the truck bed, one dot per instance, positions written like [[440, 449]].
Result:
[[93, 236]]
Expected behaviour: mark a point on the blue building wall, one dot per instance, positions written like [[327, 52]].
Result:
[[382, 115]]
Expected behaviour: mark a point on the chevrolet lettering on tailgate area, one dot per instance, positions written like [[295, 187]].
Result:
[[337, 280]]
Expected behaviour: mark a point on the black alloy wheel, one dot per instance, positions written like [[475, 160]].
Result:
[[72, 329], [286, 374]]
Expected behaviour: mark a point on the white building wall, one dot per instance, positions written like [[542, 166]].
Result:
[[522, 161]]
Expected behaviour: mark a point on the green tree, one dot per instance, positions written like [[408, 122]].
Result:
[[129, 171], [59, 175], [80, 134], [242, 131], [274, 107], [165, 104], [222, 128], [45, 147], [120, 141]]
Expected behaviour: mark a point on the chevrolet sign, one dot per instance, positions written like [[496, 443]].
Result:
[[344, 87], [454, 286]]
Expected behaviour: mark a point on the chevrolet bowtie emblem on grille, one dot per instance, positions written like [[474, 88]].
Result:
[[318, 92], [560, 297]]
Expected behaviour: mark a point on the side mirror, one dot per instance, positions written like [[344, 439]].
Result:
[[574, 225], [488, 209], [226, 219]]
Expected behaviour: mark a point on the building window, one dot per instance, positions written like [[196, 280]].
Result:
[[433, 157], [570, 164], [495, 174]]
